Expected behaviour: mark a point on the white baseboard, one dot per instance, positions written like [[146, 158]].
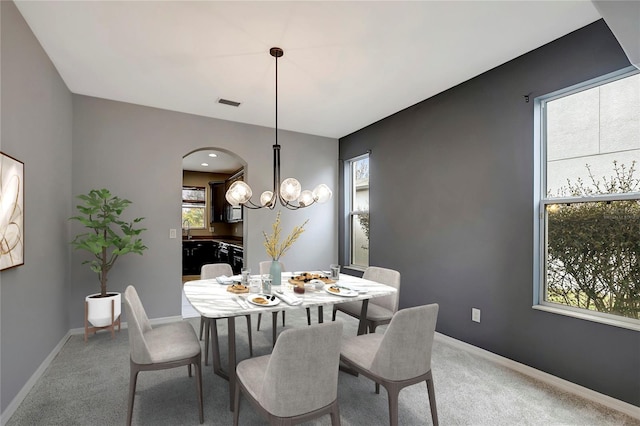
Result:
[[565, 385], [155, 321], [17, 400]]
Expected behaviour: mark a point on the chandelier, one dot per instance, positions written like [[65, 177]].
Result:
[[288, 192]]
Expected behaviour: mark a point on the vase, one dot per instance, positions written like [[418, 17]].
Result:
[[276, 272]]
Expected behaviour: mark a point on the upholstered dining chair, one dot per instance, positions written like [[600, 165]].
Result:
[[264, 269], [398, 358], [212, 271], [298, 381], [380, 309], [168, 346]]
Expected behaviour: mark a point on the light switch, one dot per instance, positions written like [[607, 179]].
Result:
[[172, 233]]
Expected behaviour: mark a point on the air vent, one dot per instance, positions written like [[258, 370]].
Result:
[[228, 102]]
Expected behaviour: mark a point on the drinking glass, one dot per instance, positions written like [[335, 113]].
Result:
[[266, 283], [245, 275], [335, 271], [255, 284]]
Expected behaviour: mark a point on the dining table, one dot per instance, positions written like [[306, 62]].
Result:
[[211, 299]]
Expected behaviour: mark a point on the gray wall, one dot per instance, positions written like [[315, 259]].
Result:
[[71, 144], [137, 152], [36, 129], [461, 230]]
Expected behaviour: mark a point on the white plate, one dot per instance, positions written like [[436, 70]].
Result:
[[345, 292], [269, 302]]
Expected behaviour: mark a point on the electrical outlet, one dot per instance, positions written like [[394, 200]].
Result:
[[475, 315], [172, 233]]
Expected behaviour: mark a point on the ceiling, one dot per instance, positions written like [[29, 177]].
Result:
[[200, 161], [346, 64]]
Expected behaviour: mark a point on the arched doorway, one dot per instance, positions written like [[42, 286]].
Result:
[[212, 230]]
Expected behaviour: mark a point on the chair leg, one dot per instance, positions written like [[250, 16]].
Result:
[[199, 387], [335, 415], [189, 370], [333, 317], [308, 316], [377, 388], [275, 327], [249, 335], [259, 319], [283, 319], [201, 326], [392, 394], [133, 377], [432, 400]]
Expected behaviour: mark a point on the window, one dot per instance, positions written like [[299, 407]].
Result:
[[588, 210], [358, 207], [193, 207]]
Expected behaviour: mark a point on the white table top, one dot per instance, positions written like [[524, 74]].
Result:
[[212, 300]]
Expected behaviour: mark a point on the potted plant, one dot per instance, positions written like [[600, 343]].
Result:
[[107, 238]]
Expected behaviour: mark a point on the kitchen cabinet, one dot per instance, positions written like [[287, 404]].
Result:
[[221, 210], [218, 202], [197, 253], [233, 214]]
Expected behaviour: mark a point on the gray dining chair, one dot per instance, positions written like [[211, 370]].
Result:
[[298, 381], [167, 346], [380, 310], [398, 358], [212, 271]]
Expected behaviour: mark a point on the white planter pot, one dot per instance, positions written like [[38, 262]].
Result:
[[99, 309]]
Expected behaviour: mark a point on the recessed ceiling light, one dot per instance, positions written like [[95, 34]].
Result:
[[204, 164], [213, 155]]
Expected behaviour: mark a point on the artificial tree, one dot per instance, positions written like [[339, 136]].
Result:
[[108, 236]]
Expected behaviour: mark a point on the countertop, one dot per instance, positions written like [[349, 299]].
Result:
[[228, 240]]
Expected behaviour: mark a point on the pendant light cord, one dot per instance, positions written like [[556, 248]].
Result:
[[276, 100], [276, 147]]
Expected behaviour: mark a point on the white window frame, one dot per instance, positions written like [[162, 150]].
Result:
[[541, 201], [351, 212], [196, 204]]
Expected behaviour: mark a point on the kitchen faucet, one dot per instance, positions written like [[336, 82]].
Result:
[[188, 228]]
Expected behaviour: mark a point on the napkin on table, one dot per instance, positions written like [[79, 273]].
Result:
[[225, 280], [289, 298]]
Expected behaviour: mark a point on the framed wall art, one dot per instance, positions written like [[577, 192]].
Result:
[[11, 212]]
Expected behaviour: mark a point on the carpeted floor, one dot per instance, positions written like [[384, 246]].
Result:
[[87, 384]]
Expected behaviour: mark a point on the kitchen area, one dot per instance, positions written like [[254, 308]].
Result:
[[212, 229]]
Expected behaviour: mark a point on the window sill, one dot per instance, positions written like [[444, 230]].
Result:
[[622, 323]]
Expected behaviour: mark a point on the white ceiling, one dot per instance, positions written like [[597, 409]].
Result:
[[222, 163], [346, 64]]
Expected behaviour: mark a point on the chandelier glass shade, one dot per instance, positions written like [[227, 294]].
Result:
[[287, 193]]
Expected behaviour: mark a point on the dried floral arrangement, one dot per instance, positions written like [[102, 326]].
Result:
[[275, 249]]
